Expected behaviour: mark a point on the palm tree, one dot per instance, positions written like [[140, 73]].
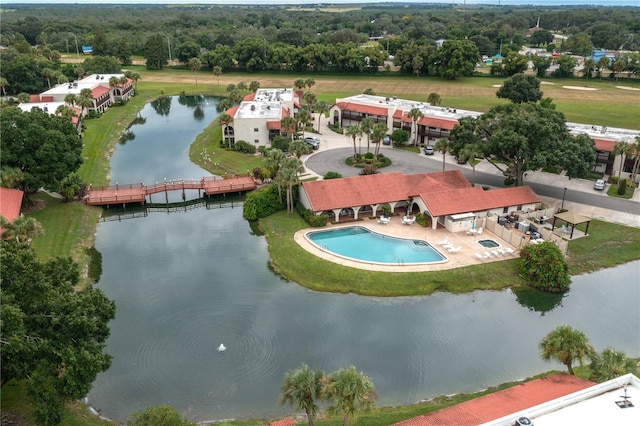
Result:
[[366, 125], [71, 99], [47, 73], [254, 86], [471, 152], [353, 132], [611, 364], [273, 161], [79, 72], [65, 112], [565, 344], [378, 133], [288, 125], [217, 70], [589, 66], [225, 120], [195, 65], [321, 108], [23, 97], [635, 150], [309, 83], [24, 229], [434, 99], [415, 114], [310, 99], [442, 145], [299, 148], [301, 388], [289, 177], [135, 77], [349, 392], [303, 118], [622, 148], [299, 84]]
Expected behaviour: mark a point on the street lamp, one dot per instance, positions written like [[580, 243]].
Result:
[[169, 46], [563, 195], [77, 50]]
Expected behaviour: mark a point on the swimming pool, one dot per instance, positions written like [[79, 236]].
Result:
[[361, 244], [489, 243]]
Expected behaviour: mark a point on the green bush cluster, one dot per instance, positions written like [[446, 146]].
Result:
[[242, 146], [544, 267], [263, 202], [315, 221], [622, 188], [332, 175]]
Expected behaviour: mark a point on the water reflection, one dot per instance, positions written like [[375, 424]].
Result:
[[538, 301], [187, 279]]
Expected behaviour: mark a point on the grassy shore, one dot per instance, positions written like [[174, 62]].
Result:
[[70, 227]]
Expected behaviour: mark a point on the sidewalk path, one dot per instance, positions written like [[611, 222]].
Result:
[[330, 140]]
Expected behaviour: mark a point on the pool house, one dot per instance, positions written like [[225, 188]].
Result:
[[446, 197]]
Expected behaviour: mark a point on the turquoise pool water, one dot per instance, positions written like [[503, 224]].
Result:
[[488, 243], [361, 244]]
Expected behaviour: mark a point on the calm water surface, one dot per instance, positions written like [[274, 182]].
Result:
[[186, 282]]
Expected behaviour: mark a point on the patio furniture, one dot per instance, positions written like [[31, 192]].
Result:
[[479, 231], [481, 256], [489, 254], [384, 220], [454, 249], [472, 231], [443, 242], [510, 251], [406, 220]]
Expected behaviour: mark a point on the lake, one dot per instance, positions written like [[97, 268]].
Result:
[[186, 281]]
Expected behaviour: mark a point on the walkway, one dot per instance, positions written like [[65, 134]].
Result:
[[138, 192]]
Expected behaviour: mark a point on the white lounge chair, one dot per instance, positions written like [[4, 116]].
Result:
[[479, 231], [471, 231], [481, 256], [443, 242], [454, 249], [488, 254], [408, 220], [510, 251]]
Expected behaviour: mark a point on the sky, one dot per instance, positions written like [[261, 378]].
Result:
[[304, 2]]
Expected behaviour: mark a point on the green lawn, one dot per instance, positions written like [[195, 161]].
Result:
[[613, 192]]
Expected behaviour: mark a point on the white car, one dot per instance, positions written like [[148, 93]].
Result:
[[599, 185]]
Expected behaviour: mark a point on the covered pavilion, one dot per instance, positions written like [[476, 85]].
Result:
[[572, 219]]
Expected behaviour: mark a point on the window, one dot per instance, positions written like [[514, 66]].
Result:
[[255, 129], [256, 141], [505, 210]]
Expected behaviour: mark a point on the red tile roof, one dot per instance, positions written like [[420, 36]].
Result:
[[366, 109], [232, 111], [98, 91], [502, 403], [476, 199], [273, 125], [439, 123], [605, 144], [283, 422], [378, 189], [10, 203], [251, 96]]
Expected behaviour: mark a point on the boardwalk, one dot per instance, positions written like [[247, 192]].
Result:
[[138, 192]]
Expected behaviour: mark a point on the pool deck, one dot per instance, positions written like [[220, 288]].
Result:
[[465, 257]]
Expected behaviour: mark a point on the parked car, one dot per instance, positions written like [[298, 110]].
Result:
[[599, 185], [386, 140], [314, 141], [428, 149]]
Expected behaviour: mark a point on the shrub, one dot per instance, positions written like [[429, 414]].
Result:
[[368, 170], [242, 146], [544, 267], [281, 143], [368, 156], [622, 188], [314, 220], [509, 181], [263, 202], [332, 175], [613, 180]]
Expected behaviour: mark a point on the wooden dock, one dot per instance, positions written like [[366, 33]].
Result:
[[138, 192]]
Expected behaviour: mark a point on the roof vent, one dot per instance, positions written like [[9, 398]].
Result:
[[97, 76], [253, 107], [523, 421]]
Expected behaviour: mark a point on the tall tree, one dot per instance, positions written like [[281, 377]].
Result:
[[366, 125], [53, 335], [321, 108], [566, 345], [349, 392], [520, 88], [622, 149], [288, 124], [514, 63], [442, 145], [353, 132], [415, 114], [156, 52], [457, 58], [516, 138], [289, 171], [302, 388], [45, 147], [379, 131], [217, 70], [303, 116], [434, 99], [195, 65]]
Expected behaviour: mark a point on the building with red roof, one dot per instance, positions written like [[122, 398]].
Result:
[[447, 197], [437, 122], [10, 203], [284, 422], [558, 399]]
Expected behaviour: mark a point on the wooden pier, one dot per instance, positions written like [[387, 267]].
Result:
[[138, 192]]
